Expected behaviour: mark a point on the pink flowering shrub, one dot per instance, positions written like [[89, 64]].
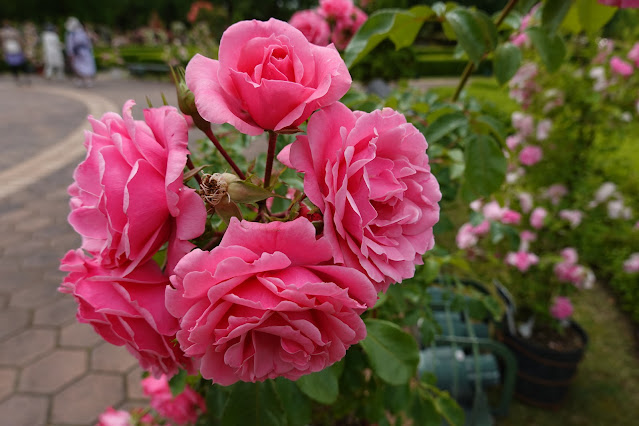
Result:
[[182, 409], [128, 199], [368, 173], [267, 302], [259, 62], [113, 417]]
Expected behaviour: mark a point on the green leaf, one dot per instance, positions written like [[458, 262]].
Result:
[[392, 352], [551, 48], [177, 383], [424, 412], [444, 125], [216, 397], [396, 398], [407, 25], [469, 31], [593, 16], [485, 165], [507, 61], [553, 14], [298, 406], [376, 28], [322, 386], [488, 29], [254, 404], [495, 126], [449, 410]]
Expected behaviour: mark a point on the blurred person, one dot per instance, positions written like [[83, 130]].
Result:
[[12, 50], [52, 52], [79, 50]]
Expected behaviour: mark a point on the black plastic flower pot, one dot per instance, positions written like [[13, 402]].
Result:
[[544, 375]]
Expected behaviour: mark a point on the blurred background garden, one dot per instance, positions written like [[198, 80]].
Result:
[[531, 113]]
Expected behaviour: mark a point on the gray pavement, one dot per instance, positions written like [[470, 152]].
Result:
[[53, 370]]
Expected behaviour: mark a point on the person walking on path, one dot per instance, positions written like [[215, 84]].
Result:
[[79, 50], [12, 50], [52, 52]]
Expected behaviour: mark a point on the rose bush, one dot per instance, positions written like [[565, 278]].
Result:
[[370, 178], [267, 302], [181, 409], [258, 63]]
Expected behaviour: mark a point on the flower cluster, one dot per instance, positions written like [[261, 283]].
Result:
[[266, 293], [334, 21]]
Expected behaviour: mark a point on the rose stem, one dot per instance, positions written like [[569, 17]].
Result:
[[191, 166], [470, 67], [226, 156], [270, 156]]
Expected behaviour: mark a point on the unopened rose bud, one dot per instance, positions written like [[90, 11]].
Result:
[[186, 100]]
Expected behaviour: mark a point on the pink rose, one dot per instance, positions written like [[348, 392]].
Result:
[[267, 302], [466, 236], [572, 216], [621, 67], [633, 55], [369, 175], [530, 155], [128, 198], [543, 129], [520, 39], [511, 217], [347, 26], [555, 193], [312, 25], [493, 211], [182, 409], [523, 123], [513, 141], [561, 308], [527, 236], [113, 417], [127, 310], [537, 217], [569, 254], [335, 9], [525, 201], [482, 228], [268, 77], [522, 260], [624, 4], [631, 265]]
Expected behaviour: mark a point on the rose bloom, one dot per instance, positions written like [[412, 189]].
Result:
[[513, 141], [569, 254], [493, 211], [561, 308], [335, 9], [572, 216], [128, 198], [312, 25], [543, 129], [537, 217], [181, 409], [511, 217], [605, 191], [368, 173], [624, 4], [482, 228], [268, 77], [525, 201], [267, 302], [631, 264], [633, 55], [522, 260], [112, 417], [126, 311], [555, 193], [520, 39], [524, 123], [530, 155], [346, 27], [621, 67], [466, 237]]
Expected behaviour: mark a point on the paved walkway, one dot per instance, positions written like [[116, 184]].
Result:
[[53, 370]]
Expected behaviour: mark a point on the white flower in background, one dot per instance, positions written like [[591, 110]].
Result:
[[543, 129]]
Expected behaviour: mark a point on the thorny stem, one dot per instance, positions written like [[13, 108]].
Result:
[[470, 67], [270, 156], [227, 157], [191, 166]]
